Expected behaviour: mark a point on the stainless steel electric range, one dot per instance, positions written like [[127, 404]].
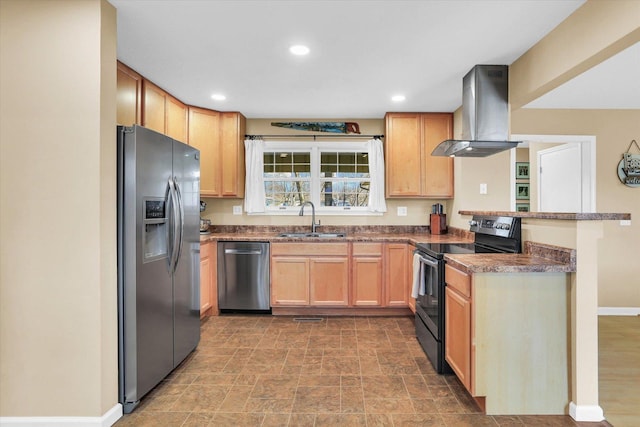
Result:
[[493, 234]]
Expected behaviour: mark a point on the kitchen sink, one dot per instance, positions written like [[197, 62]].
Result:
[[321, 235]]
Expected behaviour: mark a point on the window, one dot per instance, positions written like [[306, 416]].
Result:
[[334, 176]]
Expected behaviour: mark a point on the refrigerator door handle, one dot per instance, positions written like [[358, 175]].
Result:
[[169, 198], [180, 224], [173, 223]]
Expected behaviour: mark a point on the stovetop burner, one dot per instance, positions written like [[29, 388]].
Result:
[[437, 250]]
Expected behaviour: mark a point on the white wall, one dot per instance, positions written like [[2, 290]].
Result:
[[58, 313]]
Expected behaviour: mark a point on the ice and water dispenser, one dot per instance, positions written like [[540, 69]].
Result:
[[154, 239]]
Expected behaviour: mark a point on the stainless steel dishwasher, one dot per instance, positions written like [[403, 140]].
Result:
[[243, 276]]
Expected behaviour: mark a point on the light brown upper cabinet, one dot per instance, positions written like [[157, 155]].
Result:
[[232, 167], [220, 139], [129, 95], [163, 113], [411, 171]]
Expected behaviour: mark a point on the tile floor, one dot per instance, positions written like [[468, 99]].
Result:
[[339, 371]]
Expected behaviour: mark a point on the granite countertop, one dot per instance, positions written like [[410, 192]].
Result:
[[537, 257], [506, 263], [358, 236], [575, 216]]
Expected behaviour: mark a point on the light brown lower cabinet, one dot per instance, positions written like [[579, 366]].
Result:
[[507, 337], [329, 281], [289, 280], [457, 326], [208, 274], [366, 274], [309, 274], [358, 274], [397, 274]]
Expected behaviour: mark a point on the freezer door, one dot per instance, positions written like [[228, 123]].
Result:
[[186, 280], [145, 287]]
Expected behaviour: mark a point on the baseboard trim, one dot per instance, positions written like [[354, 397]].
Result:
[[107, 420], [618, 311], [589, 413]]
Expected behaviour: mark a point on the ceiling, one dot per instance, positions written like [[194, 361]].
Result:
[[362, 52]]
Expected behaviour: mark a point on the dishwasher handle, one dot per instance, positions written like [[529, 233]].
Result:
[[243, 251]]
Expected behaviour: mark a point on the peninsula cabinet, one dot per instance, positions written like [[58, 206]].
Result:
[[163, 113], [457, 324], [411, 171], [366, 274], [309, 274], [507, 339], [220, 139]]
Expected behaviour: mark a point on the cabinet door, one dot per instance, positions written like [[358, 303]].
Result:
[[329, 281], [396, 275], [289, 281], [232, 130], [403, 155], [366, 281], [204, 135], [205, 278], [437, 179], [153, 107], [176, 119], [457, 328], [129, 96]]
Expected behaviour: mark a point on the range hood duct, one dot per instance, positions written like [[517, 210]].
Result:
[[485, 115]]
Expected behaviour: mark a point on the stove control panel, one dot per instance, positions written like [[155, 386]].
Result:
[[503, 226]]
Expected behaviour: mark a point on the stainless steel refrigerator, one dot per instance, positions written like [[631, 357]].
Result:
[[158, 258]]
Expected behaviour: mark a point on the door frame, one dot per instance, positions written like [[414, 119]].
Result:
[[587, 155]]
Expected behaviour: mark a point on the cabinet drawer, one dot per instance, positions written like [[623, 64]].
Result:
[[309, 249], [205, 250], [365, 249], [458, 280]]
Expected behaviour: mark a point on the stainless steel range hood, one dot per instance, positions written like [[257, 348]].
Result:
[[485, 114]]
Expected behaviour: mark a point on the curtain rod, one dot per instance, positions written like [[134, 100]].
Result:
[[315, 136]]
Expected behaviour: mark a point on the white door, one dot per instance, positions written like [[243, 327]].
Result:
[[560, 179]]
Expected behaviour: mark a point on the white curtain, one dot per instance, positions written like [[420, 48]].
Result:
[[254, 186], [377, 202]]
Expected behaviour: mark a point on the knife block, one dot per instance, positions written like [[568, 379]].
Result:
[[438, 223]]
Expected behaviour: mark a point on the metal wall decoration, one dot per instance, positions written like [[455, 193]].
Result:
[[629, 167], [333, 127]]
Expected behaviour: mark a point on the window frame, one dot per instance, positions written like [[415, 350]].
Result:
[[314, 148]]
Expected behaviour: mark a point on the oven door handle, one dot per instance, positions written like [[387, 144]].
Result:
[[428, 261]]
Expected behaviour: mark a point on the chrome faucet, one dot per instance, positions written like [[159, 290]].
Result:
[[313, 215]]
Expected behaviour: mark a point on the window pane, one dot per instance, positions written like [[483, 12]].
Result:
[[302, 158], [328, 170], [347, 169], [282, 168], [330, 158], [347, 158], [286, 193], [344, 193], [283, 157], [363, 171]]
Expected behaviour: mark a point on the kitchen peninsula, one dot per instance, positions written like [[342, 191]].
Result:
[[581, 232]]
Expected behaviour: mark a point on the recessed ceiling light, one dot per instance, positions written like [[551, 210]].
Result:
[[218, 97], [299, 50], [398, 98]]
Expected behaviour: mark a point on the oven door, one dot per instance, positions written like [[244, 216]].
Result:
[[429, 306]]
